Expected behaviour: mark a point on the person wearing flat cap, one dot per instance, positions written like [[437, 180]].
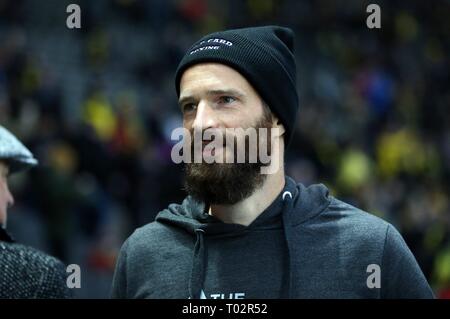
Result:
[[25, 272], [244, 232]]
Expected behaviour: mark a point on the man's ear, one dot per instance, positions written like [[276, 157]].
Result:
[[277, 123]]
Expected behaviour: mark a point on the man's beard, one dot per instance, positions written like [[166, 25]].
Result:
[[228, 183]]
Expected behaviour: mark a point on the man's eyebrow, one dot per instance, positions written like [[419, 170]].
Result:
[[226, 92], [232, 92], [185, 99]]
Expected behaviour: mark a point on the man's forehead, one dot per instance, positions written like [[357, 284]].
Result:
[[207, 78]]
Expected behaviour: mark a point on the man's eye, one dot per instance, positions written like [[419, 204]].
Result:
[[227, 99], [188, 107]]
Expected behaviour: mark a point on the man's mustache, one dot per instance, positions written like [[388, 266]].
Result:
[[214, 135]]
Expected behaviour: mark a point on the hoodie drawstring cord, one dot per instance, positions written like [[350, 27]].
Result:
[[287, 209], [199, 260], [198, 266]]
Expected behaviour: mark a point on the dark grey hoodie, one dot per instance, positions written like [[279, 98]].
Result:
[[306, 244]]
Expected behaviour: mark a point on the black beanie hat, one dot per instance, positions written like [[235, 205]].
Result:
[[264, 56]]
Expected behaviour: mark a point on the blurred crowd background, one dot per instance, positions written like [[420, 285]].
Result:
[[97, 106]]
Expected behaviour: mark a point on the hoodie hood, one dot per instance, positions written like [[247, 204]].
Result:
[[192, 215], [294, 205]]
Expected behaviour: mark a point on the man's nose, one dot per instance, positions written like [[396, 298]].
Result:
[[204, 118]]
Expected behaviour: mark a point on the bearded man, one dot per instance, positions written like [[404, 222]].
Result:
[[247, 232]]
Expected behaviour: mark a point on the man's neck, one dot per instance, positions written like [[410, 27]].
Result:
[[247, 210]]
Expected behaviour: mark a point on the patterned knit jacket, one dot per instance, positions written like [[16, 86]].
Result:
[[29, 273]]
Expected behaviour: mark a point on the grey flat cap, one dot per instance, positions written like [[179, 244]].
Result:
[[14, 153]]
